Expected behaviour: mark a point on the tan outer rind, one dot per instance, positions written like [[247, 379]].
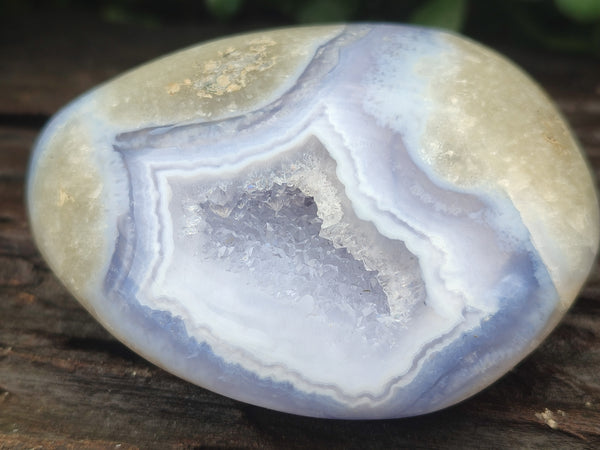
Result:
[[492, 126], [214, 80], [67, 209]]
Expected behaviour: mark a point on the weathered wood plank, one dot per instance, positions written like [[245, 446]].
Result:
[[66, 383]]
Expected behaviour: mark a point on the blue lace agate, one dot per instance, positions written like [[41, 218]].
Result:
[[348, 221]]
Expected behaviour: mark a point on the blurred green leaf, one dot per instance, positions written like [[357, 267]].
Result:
[[115, 13], [325, 11], [449, 14], [580, 10], [572, 38], [223, 9]]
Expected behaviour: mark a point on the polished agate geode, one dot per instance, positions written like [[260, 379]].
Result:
[[360, 221]]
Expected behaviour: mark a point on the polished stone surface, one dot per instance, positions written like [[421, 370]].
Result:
[[342, 221]]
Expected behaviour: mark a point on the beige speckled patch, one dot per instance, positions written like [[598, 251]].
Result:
[[213, 80], [492, 125], [232, 70]]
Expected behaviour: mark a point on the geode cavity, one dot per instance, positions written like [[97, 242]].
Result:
[[359, 221]]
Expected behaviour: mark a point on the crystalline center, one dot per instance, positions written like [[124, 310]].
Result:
[[282, 237], [279, 228]]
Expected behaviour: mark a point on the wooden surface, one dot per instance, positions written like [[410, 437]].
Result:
[[66, 383]]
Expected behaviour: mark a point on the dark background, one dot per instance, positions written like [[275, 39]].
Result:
[[561, 25]]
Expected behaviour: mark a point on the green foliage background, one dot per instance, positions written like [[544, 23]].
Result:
[[560, 25]]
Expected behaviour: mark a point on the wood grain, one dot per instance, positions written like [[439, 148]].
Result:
[[66, 383]]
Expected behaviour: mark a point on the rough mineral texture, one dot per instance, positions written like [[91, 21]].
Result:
[[344, 221]]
